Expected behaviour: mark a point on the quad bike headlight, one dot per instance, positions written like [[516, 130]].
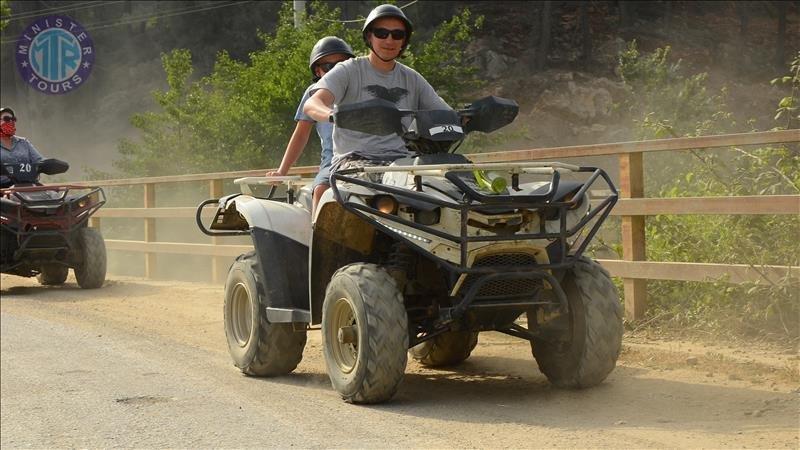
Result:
[[427, 217], [570, 197], [88, 200], [385, 204]]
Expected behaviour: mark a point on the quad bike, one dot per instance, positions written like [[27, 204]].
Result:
[[421, 262], [44, 229]]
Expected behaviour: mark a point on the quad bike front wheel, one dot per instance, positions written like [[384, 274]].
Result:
[[52, 274], [364, 333], [446, 349], [90, 269], [589, 351], [258, 347]]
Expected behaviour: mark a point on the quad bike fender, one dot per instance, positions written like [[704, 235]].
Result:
[[340, 238], [280, 234], [287, 220]]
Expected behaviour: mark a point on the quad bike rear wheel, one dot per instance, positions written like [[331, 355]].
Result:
[[589, 352], [446, 349], [258, 347], [52, 274], [90, 269], [364, 333]]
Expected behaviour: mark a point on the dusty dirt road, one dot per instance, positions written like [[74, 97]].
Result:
[[144, 364]]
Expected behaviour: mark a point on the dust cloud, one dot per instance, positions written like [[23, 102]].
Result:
[[85, 125]]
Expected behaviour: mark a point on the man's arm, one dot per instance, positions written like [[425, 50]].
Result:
[[429, 99], [318, 106]]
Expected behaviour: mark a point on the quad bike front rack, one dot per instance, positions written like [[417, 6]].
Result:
[[547, 201]]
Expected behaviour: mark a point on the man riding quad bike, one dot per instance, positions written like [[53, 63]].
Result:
[[44, 229], [421, 262]]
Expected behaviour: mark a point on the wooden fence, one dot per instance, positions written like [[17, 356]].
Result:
[[632, 207]]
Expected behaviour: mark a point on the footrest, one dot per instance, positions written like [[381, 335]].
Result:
[[288, 315]]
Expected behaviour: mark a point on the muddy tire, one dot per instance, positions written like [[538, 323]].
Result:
[[364, 333], [258, 347], [90, 269], [446, 349], [53, 274], [589, 352]]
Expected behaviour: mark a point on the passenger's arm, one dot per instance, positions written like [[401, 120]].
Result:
[[318, 106], [297, 143]]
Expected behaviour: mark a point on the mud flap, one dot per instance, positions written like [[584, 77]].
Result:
[[284, 268]]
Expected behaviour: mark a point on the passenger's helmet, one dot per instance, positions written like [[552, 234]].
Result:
[[387, 11], [328, 45]]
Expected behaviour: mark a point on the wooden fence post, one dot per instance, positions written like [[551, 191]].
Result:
[[217, 262], [149, 230], [631, 174]]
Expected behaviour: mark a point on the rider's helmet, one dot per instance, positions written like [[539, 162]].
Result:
[[387, 11], [7, 109], [329, 45]]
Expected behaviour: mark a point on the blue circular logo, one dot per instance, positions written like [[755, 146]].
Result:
[[55, 55]]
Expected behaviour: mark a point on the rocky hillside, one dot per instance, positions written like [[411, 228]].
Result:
[[573, 100]]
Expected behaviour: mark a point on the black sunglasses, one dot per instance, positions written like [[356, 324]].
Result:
[[326, 67], [9, 119], [383, 33]]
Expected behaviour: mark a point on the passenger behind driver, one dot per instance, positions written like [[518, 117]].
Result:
[[327, 52]]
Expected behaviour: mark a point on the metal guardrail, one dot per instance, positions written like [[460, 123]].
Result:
[[632, 207]]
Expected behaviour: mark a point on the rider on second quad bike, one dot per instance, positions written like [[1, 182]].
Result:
[[44, 229]]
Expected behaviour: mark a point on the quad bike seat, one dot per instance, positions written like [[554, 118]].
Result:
[[305, 197]]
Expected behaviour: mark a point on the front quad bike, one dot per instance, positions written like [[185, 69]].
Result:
[[422, 262], [44, 229]]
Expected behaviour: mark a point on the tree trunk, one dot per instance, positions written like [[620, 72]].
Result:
[[780, 41], [744, 19], [586, 34], [299, 12], [544, 37], [625, 14]]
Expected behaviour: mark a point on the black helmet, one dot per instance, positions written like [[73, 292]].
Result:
[[7, 109], [387, 11], [329, 45]]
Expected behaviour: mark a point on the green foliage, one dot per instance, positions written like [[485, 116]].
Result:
[[442, 62], [241, 115], [664, 102], [788, 108], [668, 104], [5, 11]]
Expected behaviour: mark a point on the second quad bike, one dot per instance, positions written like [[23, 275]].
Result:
[[422, 260], [44, 230]]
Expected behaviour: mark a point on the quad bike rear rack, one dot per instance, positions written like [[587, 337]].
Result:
[[545, 202]]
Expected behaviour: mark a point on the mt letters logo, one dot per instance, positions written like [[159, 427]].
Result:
[[55, 54]]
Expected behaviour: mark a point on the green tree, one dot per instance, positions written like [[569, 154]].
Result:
[[240, 116]]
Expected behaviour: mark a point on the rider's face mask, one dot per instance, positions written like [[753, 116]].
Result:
[[8, 126]]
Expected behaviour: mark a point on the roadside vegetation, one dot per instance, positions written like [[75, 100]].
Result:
[[665, 102]]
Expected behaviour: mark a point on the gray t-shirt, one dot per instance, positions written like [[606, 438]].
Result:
[[18, 159], [355, 80]]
